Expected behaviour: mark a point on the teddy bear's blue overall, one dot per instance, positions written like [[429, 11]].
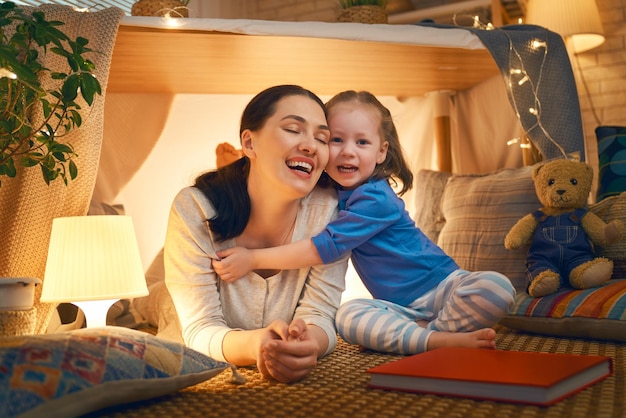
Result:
[[559, 244]]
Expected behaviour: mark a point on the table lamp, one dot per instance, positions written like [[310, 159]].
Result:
[[92, 262], [577, 21]]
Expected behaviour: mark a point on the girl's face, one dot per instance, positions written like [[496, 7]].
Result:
[[356, 145], [291, 150]]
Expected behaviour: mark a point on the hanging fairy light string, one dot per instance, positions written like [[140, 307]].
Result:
[[519, 77], [166, 12], [172, 16]]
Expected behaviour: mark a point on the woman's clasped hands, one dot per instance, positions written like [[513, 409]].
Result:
[[287, 352]]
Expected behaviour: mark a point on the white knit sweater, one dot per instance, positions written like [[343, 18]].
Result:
[[208, 308]]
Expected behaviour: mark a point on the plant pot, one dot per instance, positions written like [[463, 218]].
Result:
[[173, 8], [363, 14], [17, 293]]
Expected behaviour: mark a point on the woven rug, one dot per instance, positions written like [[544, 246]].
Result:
[[337, 388]]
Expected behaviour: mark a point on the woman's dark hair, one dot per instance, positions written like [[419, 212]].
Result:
[[395, 167], [227, 187]]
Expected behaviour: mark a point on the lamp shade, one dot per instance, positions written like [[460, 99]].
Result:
[[93, 258], [577, 21]]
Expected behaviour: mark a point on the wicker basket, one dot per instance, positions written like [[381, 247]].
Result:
[[13, 323], [159, 8], [363, 14]]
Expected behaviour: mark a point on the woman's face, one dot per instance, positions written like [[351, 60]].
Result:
[[291, 150]]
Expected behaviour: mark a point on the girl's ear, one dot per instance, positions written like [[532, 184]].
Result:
[[246, 144], [382, 152]]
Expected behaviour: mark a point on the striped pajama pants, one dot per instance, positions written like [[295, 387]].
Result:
[[464, 301]]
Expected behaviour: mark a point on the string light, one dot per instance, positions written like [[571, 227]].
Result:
[[171, 22], [171, 15], [519, 77]]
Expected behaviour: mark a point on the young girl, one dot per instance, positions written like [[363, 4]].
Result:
[[422, 299]]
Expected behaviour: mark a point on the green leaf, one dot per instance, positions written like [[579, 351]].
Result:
[[7, 168], [89, 87], [70, 88], [47, 109], [59, 156], [28, 162], [76, 117], [57, 147], [73, 169]]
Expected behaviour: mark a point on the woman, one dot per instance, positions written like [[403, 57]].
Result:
[[282, 321]]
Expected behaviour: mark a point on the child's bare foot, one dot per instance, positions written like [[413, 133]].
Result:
[[482, 338]]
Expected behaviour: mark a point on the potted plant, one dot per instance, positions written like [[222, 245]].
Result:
[[38, 107], [363, 11]]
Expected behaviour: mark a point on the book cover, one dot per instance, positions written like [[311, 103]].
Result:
[[510, 376]]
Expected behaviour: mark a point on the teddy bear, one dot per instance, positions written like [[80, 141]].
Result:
[[562, 234]]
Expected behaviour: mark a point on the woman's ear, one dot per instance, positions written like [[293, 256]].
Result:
[[247, 144]]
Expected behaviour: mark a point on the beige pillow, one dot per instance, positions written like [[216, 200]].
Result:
[[429, 187], [613, 207], [479, 211]]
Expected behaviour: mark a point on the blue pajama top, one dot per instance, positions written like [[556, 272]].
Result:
[[396, 261]]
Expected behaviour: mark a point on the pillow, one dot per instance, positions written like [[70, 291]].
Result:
[[591, 313], [612, 159], [613, 207], [80, 371], [429, 187], [479, 211]]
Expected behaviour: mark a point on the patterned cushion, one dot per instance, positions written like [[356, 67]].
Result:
[[479, 211], [80, 371], [591, 313], [612, 157]]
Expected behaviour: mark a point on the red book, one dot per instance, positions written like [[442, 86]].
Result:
[[510, 376]]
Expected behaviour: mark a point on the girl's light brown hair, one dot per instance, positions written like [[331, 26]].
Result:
[[395, 168]]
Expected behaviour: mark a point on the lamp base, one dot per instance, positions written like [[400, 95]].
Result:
[[95, 311]]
